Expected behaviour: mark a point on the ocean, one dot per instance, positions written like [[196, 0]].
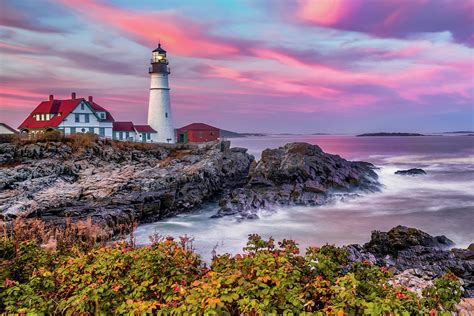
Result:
[[439, 203]]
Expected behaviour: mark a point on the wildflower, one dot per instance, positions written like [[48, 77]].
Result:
[[116, 287], [9, 282]]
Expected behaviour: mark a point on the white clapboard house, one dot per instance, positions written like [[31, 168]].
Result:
[[78, 115]]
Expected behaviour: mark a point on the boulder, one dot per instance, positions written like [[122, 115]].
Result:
[[298, 174], [413, 252]]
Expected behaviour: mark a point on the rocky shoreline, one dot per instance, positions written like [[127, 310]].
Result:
[[117, 184], [114, 183]]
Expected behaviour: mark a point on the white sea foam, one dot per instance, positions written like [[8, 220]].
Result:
[[441, 202]]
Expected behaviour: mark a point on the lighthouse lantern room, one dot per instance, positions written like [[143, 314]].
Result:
[[159, 107]]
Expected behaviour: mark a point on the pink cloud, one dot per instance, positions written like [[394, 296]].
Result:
[[323, 12], [182, 36], [388, 18]]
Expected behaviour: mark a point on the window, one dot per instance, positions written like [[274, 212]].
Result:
[[91, 130], [82, 106], [86, 118], [102, 115], [148, 136], [101, 132], [73, 130], [120, 135], [77, 118], [166, 114]]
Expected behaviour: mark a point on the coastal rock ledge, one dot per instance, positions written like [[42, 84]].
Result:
[[114, 183], [416, 257], [298, 174]]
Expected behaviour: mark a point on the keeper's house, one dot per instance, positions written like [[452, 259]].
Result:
[[77, 115]]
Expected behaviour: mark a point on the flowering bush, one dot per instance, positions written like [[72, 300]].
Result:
[[168, 277]]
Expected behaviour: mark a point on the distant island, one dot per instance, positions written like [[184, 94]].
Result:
[[389, 134], [460, 132], [230, 134]]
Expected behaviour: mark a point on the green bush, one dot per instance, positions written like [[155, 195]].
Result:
[[8, 138], [168, 277]]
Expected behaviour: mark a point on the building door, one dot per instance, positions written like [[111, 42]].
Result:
[[182, 138]]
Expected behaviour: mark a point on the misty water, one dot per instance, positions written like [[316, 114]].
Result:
[[441, 202]]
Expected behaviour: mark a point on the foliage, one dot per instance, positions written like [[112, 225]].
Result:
[[8, 138], [168, 277]]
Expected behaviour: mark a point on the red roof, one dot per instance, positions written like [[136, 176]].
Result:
[[199, 127], [53, 106], [9, 128], [123, 127], [96, 107], [144, 129]]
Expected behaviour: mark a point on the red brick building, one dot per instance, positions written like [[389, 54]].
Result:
[[197, 133]]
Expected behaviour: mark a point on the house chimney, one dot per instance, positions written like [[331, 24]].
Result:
[[73, 95], [91, 99], [51, 97]]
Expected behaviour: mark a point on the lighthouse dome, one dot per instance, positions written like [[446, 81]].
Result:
[[159, 50]]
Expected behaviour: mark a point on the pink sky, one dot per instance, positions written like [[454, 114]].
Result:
[[269, 66]]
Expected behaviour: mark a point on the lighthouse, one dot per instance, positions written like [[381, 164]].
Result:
[[159, 106]]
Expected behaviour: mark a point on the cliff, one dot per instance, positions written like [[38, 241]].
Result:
[[113, 183]]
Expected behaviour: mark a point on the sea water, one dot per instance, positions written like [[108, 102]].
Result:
[[441, 202]]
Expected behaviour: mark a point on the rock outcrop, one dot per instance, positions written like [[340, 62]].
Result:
[[298, 174], [417, 256], [114, 183], [411, 172]]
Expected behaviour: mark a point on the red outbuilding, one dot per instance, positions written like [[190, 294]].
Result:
[[197, 133]]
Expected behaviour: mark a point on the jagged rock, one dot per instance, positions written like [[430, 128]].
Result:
[[114, 183], [298, 174], [428, 257], [465, 307], [411, 172], [402, 238], [413, 279]]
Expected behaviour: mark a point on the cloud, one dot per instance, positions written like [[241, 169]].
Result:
[[335, 61], [26, 19], [389, 18], [181, 35]]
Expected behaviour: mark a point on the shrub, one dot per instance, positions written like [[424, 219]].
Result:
[[168, 277], [8, 138]]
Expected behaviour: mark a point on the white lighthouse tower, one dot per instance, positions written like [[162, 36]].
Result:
[[159, 106]]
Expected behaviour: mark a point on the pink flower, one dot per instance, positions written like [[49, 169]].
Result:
[[9, 282]]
